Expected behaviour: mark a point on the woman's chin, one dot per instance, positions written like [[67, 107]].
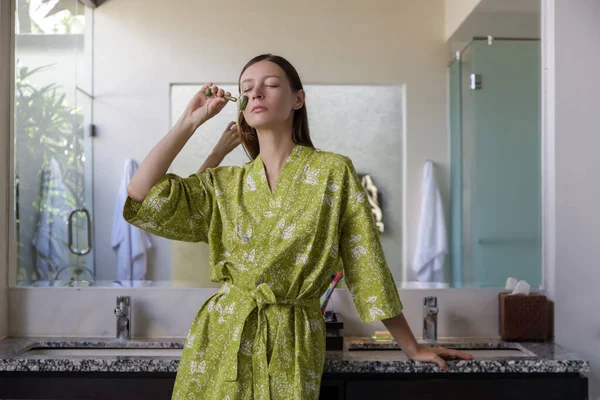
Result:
[[264, 124]]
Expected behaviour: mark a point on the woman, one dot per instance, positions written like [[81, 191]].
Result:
[[277, 227]]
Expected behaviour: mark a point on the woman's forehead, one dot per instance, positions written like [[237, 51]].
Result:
[[260, 70]]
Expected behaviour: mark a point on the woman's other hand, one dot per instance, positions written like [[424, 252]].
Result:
[[437, 355], [229, 140]]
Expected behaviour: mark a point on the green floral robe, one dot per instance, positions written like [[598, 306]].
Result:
[[262, 335]]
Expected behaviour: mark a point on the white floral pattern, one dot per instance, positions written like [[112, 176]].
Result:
[[315, 220]]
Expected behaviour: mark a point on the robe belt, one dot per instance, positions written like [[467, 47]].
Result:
[[260, 297]]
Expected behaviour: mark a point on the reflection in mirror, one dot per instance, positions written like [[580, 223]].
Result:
[[52, 159], [496, 160], [335, 126], [495, 146], [373, 196], [488, 186]]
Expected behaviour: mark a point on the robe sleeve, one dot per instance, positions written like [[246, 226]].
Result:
[[176, 208], [365, 269]]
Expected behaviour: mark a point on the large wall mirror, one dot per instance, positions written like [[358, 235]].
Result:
[[479, 213]]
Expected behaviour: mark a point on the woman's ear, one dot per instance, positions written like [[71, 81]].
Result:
[[300, 95]]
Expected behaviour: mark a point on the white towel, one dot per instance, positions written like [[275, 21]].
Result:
[[432, 245], [50, 238], [130, 241]]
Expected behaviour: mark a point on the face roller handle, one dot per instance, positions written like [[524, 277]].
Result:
[[243, 99]]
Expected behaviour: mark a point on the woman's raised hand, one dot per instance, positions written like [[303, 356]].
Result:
[[201, 108]]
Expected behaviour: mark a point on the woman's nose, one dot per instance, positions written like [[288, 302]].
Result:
[[257, 94]]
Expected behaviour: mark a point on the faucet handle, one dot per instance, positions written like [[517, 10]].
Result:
[[123, 305], [126, 300], [430, 301]]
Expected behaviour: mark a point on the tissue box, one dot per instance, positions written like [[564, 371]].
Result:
[[524, 317]]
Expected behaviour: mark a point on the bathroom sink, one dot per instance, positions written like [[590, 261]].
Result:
[[106, 352], [476, 353], [477, 350]]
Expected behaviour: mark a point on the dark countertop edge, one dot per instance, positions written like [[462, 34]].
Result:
[[167, 364], [564, 361]]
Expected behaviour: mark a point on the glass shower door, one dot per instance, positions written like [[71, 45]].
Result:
[[53, 112], [501, 170], [495, 144]]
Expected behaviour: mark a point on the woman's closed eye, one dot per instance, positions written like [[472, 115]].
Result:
[[269, 86]]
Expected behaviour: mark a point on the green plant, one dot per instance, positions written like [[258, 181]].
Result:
[[46, 126]]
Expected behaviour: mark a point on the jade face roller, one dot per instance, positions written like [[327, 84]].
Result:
[[242, 100]]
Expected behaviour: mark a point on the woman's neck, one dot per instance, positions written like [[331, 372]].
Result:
[[275, 148]]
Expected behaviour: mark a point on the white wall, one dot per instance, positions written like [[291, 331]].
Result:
[[71, 312], [456, 12], [142, 46], [577, 168], [5, 72]]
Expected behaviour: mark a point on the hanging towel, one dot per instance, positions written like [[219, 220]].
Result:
[[130, 242], [50, 238], [432, 244]]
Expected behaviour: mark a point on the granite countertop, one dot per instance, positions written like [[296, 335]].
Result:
[[360, 355]]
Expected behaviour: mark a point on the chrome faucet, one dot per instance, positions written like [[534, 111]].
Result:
[[430, 313], [123, 313]]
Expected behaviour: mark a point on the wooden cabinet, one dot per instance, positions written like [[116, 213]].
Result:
[[157, 386]]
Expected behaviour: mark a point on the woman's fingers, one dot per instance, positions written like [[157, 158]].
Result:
[[440, 362], [215, 90], [453, 353], [459, 354], [230, 127], [200, 95], [205, 86], [216, 101]]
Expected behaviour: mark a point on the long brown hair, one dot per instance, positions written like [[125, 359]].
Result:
[[300, 130]]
